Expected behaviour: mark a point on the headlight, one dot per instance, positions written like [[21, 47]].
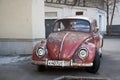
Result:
[[83, 54], [40, 52]]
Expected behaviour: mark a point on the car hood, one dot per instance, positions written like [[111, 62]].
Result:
[[62, 45]]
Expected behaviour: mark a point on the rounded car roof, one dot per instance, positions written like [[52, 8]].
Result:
[[77, 17]]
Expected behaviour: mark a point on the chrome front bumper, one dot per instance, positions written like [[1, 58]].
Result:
[[68, 64]]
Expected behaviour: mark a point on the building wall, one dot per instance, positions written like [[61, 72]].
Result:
[[66, 11], [15, 19], [116, 19], [81, 3], [21, 25], [54, 11], [101, 17], [38, 24]]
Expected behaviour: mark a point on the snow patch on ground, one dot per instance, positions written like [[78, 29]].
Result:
[[9, 59]]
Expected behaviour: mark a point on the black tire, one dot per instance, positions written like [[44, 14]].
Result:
[[100, 55], [41, 68], [96, 64]]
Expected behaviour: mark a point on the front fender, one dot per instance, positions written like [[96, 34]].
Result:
[[101, 41], [91, 50], [34, 56]]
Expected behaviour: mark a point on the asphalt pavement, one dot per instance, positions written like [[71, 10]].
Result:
[[20, 67]]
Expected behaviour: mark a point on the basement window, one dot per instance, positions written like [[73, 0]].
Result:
[[79, 13]]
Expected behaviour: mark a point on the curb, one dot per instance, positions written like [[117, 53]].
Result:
[[111, 37], [81, 78], [13, 55]]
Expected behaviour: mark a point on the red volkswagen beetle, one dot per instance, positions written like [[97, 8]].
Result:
[[73, 42]]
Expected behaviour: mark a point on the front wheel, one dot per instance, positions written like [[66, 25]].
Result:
[[96, 64]]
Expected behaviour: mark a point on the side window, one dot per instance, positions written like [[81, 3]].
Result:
[[62, 26], [58, 26]]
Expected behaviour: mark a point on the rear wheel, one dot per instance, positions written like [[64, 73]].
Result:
[[100, 49], [100, 52], [41, 68], [96, 64], [100, 55]]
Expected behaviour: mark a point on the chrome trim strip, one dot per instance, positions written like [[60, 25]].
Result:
[[71, 64], [83, 64], [62, 43]]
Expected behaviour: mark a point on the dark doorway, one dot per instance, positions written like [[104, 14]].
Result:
[[48, 24]]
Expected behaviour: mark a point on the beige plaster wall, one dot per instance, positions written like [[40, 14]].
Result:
[[38, 23], [16, 19]]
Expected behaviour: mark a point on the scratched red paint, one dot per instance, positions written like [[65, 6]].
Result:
[[64, 42]]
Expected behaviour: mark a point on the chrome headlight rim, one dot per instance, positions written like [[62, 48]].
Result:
[[83, 55], [40, 51]]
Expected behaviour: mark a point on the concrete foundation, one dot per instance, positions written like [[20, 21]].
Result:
[[17, 46]]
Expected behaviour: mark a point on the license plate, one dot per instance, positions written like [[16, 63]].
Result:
[[58, 63]]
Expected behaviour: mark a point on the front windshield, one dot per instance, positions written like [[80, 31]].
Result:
[[72, 25]]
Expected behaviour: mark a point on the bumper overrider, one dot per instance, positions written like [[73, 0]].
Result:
[[61, 63]]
